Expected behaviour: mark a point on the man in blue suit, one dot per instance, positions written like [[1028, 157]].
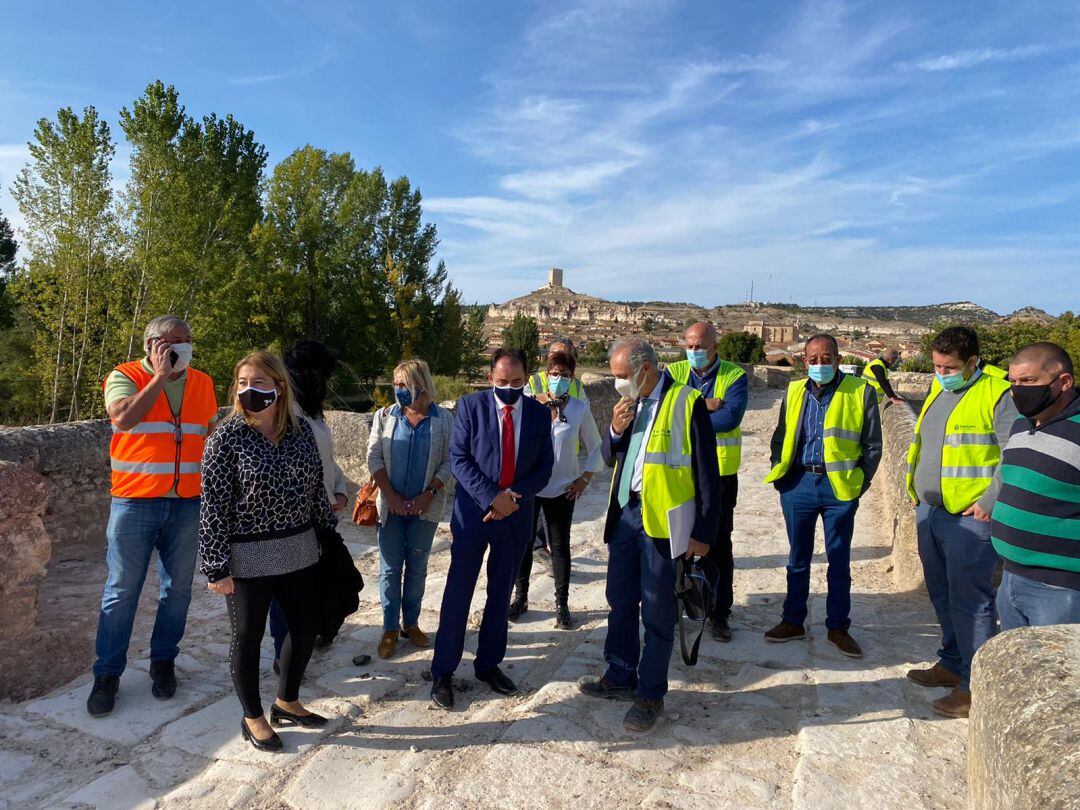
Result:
[[664, 450], [501, 456]]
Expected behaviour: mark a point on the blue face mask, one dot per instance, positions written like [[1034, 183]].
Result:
[[403, 396], [951, 382], [508, 395], [699, 358], [822, 375], [558, 386]]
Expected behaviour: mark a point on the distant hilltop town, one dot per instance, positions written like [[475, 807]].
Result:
[[864, 331]]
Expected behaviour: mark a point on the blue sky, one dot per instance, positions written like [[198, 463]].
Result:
[[875, 153]]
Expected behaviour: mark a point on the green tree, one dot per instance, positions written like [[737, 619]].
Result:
[[474, 347], [741, 347], [65, 195], [8, 250], [596, 353], [524, 333]]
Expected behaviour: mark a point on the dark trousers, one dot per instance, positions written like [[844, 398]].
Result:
[[504, 549], [721, 554], [640, 583], [558, 515], [249, 605], [804, 497], [958, 564]]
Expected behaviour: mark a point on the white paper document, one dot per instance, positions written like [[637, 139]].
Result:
[[680, 523]]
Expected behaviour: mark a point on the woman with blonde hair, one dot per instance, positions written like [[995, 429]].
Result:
[[263, 501], [409, 458]]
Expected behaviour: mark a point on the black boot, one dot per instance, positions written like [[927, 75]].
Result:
[[164, 676], [563, 619], [103, 695], [721, 630], [520, 604]]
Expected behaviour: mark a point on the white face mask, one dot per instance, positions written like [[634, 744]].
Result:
[[183, 356], [629, 387]]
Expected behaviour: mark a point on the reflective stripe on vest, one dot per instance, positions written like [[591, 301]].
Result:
[[728, 443], [164, 427], [667, 477], [842, 437], [969, 454], [164, 451], [868, 374]]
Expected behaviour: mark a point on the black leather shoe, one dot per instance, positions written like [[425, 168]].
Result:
[[519, 606], [498, 681], [721, 630], [163, 674], [272, 743], [643, 714], [103, 695], [600, 687], [442, 692], [282, 717], [563, 619]]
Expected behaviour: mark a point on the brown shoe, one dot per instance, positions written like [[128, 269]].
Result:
[[786, 631], [937, 675], [417, 636], [955, 704], [388, 643], [845, 643]]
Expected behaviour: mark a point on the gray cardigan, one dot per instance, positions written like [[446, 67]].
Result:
[[438, 466]]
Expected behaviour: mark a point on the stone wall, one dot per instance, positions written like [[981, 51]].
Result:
[[898, 428], [1024, 730], [25, 547], [73, 457]]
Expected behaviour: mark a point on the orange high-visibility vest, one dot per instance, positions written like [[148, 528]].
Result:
[[163, 451]]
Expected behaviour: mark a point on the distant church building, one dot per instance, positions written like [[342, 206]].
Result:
[[773, 333]]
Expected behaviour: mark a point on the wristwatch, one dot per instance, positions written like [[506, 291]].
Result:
[[434, 492]]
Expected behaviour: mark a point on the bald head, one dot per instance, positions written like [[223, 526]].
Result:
[[892, 357], [701, 335], [1044, 356]]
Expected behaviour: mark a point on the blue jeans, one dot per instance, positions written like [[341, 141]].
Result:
[[640, 581], [958, 564], [136, 527], [1023, 602], [803, 498], [404, 546]]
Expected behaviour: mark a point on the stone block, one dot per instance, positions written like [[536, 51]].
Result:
[[351, 774], [1024, 730], [137, 715], [122, 789]]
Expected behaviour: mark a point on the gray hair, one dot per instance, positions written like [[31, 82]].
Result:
[[638, 351], [161, 326], [565, 341]]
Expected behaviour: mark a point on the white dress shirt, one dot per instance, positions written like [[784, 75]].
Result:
[[564, 441], [515, 415], [639, 463]]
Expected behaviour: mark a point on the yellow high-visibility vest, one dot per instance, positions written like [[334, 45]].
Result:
[[970, 455], [728, 443], [868, 374], [538, 384], [667, 475], [843, 434], [994, 371]]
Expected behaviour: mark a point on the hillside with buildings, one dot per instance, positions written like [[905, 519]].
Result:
[[863, 331]]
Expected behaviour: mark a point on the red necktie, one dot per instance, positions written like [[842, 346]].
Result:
[[506, 477]]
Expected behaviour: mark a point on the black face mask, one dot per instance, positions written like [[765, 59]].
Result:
[[508, 395], [255, 400], [1031, 400]]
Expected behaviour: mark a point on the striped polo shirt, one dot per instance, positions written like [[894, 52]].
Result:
[[1036, 521]]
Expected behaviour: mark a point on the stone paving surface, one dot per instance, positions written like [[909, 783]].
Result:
[[753, 725]]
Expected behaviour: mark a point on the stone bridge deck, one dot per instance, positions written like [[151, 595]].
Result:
[[753, 725]]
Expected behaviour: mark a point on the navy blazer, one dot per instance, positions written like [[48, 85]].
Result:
[[703, 461], [476, 459]]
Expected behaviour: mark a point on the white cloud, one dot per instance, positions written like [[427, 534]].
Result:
[[979, 56]]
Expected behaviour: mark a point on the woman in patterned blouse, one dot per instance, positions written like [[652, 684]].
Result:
[[262, 502]]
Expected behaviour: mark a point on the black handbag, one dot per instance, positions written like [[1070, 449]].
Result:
[[694, 587], [339, 584]]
